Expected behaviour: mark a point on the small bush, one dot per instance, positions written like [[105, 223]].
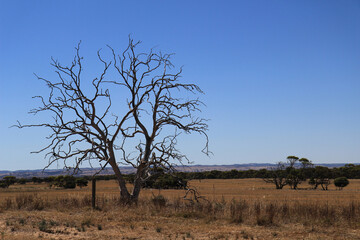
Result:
[[264, 218], [44, 227], [341, 182], [237, 211], [86, 222], [24, 200], [29, 202], [159, 201], [22, 221], [270, 213]]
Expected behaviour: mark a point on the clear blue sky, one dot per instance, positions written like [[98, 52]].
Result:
[[281, 77]]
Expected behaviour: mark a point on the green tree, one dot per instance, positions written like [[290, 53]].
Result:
[[10, 180], [294, 175], [7, 181], [58, 181], [69, 181], [321, 176]]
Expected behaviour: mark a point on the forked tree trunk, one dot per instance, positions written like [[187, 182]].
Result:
[[140, 172], [125, 195]]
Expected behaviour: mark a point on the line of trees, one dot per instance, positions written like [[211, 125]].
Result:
[[295, 171], [159, 179], [66, 181], [291, 173], [313, 173]]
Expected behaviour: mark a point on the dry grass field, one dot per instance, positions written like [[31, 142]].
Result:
[[229, 209]]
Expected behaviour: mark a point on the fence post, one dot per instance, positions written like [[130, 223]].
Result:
[[93, 193]]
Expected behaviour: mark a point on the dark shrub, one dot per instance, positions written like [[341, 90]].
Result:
[[3, 184], [81, 182], [341, 182], [65, 181], [21, 181], [159, 201], [9, 180]]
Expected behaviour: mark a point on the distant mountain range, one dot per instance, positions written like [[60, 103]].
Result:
[[127, 170]]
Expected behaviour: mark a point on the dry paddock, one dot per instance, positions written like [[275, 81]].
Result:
[[212, 189], [229, 209]]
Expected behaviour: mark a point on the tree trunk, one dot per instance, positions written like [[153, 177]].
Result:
[[140, 172], [124, 193], [138, 182]]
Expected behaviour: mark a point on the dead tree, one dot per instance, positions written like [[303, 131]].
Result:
[[142, 132]]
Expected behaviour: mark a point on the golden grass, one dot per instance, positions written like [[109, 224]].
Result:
[[213, 189], [234, 209]]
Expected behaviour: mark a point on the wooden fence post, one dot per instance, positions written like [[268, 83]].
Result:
[[93, 199]]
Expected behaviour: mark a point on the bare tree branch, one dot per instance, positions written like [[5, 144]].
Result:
[[85, 129]]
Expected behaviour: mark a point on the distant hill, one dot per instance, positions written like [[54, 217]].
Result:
[[127, 170]]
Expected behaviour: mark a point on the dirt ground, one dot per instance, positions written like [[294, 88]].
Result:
[[120, 225]]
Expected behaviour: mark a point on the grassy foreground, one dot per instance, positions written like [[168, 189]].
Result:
[[231, 209]]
